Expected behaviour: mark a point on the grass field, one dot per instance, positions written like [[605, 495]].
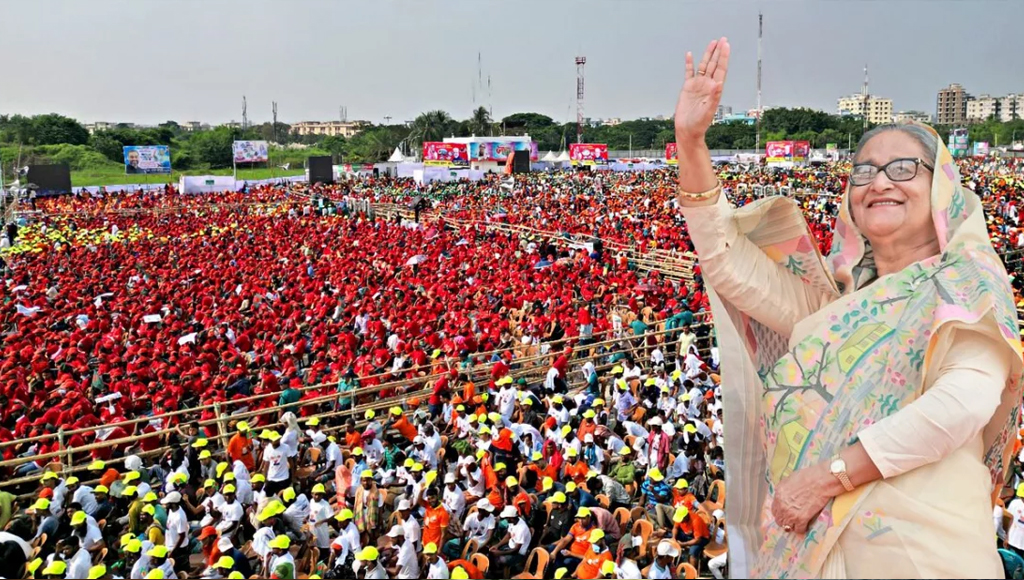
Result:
[[115, 175]]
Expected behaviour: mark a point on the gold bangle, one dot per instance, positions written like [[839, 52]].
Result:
[[699, 196]]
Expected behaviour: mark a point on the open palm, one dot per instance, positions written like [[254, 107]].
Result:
[[702, 91]]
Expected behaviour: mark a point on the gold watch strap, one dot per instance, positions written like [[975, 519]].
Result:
[[843, 477], [703, 196]]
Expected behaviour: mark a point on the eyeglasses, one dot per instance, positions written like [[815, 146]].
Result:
[[896, 170]]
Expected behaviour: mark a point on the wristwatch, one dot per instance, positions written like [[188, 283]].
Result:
[[838, 469]]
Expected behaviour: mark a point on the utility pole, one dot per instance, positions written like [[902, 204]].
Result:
[[581, 62], [245, 115], [866, 98], [757, 137], [387, 119], [274, 105]]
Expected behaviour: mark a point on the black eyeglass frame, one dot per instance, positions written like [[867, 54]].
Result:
[[918, 162]]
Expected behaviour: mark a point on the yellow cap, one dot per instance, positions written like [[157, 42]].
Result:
[[281, 542], [621, 384], [229, 476], [459, 573], [55, 568], [537, 456], [200, 443], [273, 508], [242, 426], [511, 481], [78, 519], [229, 488], [485, 430], [156, 574], [210, 483], [97, 465], [258, 478], [480, 453], [598, 402], [396, 411], [134, 546], [1020, 490], [608, 567], [583, 512], [368, 554], [430, 476], [689, 428], [556, 399], [417, 467], [570, 487], [236, 575], [625, 450], [572, 452], [617, 369], [225, 562], [676, 375], [546, 484], [680, 515], [157, 552], [132, 476], [313, 421], [409, 462], [430, 548], [49, 475], [41, 504], [222, 467], [650, 382], [125, 538], [149, 509], [589, 414], [205, 454], [682, 484], [558, 497], [471, 418], [34, 565], [370, 414], [345, 514], [319, 488], [71, 480], [655, 474], [560, 573], [288, 494], [595, 535], [97, 571], [129, 490], [357, 451]]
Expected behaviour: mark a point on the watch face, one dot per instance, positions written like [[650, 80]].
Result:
[[838, 466]]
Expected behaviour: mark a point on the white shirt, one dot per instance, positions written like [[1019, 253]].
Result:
[[319, 514], [261, 541], [334, 457], [277, 463], [478, 489], [93, 535], [507, 400], [412, 530], [177, 526], [279, 560], [520, 536], [408, 562], [230, 513], [84, 496], [627, 570], [1015, 535], [289, 443], [438, 570], [479, 529], [656, 573], [79, 564], [348, 541], [454, 502]]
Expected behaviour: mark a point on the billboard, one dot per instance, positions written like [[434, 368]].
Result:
[[588, 153], [250, 151], [436, 153], [958, 142], [500, 151], [671, 153], [787, 151], [980, 148], [147, 159]]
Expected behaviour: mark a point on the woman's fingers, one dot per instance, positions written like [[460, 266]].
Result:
[[689, 65], [722, 66], [713, 61]]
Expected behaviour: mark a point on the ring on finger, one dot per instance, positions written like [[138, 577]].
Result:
[[787, 528]]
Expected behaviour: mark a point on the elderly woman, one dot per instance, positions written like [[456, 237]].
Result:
[[871, 395]]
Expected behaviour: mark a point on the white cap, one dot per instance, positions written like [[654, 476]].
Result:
[[417, 439], [396, 531], [509, 512], [173, 497], [637, 541], [403, 505], [224, 544], [485, 504], [588, 438], [667, 549], [450, 478], [718, 514], [655, 421]]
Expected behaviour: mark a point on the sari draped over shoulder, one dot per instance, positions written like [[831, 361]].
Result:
[[791, 402]]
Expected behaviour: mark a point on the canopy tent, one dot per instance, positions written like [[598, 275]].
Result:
[[549, 157], [563, 157], [397, 156]]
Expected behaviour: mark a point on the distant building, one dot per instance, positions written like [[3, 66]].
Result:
[[738, 118], [951, 105], [1011, 107], [329, 128], [918, 116], [617, 121], [982, 108], [722, 112], [99, 126], [231, 124], [192, 126], [879, 110]]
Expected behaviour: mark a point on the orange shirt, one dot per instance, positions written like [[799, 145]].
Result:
[[240, 449], [680, 498], [586, 426], [434, 519], [469, 392], [581, 539], [109, 476], [496, 497], [403, 426], [522, 503], [353, 439], [590, 567], [577, 471]]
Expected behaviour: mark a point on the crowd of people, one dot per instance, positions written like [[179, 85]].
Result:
[[259, 383]]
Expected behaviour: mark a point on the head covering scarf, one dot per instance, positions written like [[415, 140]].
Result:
[[966, 285]]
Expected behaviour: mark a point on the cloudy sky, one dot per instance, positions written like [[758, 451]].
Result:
[[147, 61]]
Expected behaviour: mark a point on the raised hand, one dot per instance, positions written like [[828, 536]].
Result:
[[702, 91]]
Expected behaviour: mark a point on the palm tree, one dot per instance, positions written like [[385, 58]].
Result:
[[480, 123], [431, 126]]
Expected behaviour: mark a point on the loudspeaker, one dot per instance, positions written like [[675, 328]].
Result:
[[321, 170], [51, 179], [521, 162]]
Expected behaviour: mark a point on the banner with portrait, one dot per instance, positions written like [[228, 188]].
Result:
[[250, 151], [145, 159], [500, 151], [672, 153], [438, 154], [588, 154]]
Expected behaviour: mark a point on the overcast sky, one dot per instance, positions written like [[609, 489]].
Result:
[[147, 61]]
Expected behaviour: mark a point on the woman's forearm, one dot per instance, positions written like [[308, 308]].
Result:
[[696, 174], [859, 468]]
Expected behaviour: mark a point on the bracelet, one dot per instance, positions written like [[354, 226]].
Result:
[[700, 196]]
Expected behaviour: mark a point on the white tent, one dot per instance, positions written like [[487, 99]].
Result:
[[397, 156], [549, 157], [563, 157]]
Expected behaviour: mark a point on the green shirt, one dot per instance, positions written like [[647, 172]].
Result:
[[625, 473]]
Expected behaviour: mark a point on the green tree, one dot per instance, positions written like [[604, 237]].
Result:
[[212, 147], [480, 123], [54, 129], [519, 123], [432, 126]]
